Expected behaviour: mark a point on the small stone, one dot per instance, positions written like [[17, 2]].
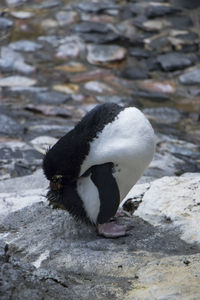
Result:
[[191, 77], [71, 67], [49, 110], [102, 55], [139, 52], [25, 45], [99, 37], [158, 10], [49, 4], [156, 25], [52, 97], [71, 47], [135, 73], [66, 88], [166, 115], [91, 75], [159, 86], [180, 22], [97, 86], [17, 81], [96, 7], [5, 23], [22, 14], [67, 17], [43, 143], [49, 23], [50, 39], [173, 61], [86, 27], [9, 127], [13, 61]]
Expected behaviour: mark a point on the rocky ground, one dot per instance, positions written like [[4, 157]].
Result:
[[58, 59]]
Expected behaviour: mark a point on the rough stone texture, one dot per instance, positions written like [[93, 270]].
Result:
[[191, 77], [45, 254]]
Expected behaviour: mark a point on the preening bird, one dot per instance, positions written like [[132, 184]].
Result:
[[93, 167]]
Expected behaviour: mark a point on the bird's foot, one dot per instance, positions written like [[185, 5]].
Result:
[[120, 213], [112, 230]]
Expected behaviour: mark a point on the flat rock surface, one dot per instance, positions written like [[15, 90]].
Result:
[[56, 256]]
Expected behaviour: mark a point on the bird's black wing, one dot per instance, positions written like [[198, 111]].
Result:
[[108, 190]]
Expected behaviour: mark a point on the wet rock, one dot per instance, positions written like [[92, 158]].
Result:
[[22, 14], [190, 77], [180, 22], [17, 81], [98, 87], [50, 4], [91, 27], [67, 17], [96, 7], [173, 61], [5, 23], [158, 86], [25, 45], [52, 97], [9, 127], [102, 55], [71, 47], [43, 143], [99, 37], [135, 73], [139, 53], [153, 9], [13, 61], [49, 110], [165, 115]]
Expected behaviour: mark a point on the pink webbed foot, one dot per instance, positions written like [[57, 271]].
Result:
[[112, 230]]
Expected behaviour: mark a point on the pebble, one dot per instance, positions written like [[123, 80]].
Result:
[[25, 45], [5, 23], [166, 115], [49, 110], [102, 55], [191, 77], [10, 127], [66, 88], [43, 143], [96, 7], [67, 17], [17, 81], [91, 27], [52, 98], [135, 73], [49, 4], [97, 86], [158, 86], [22, 14], [13, 61], [71, 47], [99, 37], [173, 61]]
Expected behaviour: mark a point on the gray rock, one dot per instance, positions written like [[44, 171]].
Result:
[[22, 14], [13, 61], [99, 54], [51, 256], [191, 77], [87, 26], [9, 127], [96, 7], [180, 22], [135, 73], [99, 37], [17, 81], [139, 52], [66, 17], [165, 115], [25, 45], [5, 23], [173, 61], [50, 4], [52, 97]]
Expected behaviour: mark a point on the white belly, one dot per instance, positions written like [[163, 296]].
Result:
[[129, 143]]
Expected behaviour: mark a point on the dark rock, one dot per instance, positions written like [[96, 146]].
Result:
[[25, 45], [153, 64], [9, 127], [5, 23], [135, 73], [86, 27], [99, 37], [153, 96], [180, 22], [52, 97], [191, 77], [187, 4], [140, 52], [173, 61], [96, 7], [153, 11]]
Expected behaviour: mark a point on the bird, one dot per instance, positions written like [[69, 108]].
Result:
[[93, 167]]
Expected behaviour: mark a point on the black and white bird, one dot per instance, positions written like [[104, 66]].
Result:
[[93, 167]]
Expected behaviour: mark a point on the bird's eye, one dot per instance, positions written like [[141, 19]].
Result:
[[57, 178]]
